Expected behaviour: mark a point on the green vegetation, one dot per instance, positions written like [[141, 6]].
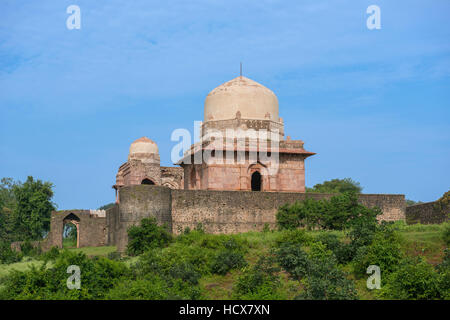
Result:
[[340, 212], [321, 250], [25, 210], [286, 264], [410, 202], [147, 236], [337, 186], [107, 206]]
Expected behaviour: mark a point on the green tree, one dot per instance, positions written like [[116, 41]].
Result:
[[7, 205], [339, 212], [412, 202], [148, 235], [30, 218], [336, 186], [107, 206]]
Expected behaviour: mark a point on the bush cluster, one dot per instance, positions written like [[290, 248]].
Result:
[[147, 235], [98, 276], [337, 213], [318, 270], [259, 282], [7, 255], [415, 279]]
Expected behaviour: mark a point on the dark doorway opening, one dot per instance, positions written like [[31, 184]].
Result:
[[147, 181], [256, 181]]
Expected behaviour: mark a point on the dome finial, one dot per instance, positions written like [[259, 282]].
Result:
[[241, 69]]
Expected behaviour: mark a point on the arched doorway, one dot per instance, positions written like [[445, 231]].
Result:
[[147, 181], [71, 231], [256, 181]]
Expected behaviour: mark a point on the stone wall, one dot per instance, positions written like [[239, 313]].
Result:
[[112, 221], [242, 211], [426, 213], [138, 202], [217, 211]]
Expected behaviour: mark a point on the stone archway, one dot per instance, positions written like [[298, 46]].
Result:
[[72, 219]]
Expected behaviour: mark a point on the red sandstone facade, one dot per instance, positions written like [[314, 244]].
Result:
[[249, 160]]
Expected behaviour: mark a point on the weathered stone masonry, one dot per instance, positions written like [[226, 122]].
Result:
[[217, 211], [92, 228], [427, 213]]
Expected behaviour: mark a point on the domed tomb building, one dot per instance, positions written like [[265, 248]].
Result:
[[143, 167], [242, 144]]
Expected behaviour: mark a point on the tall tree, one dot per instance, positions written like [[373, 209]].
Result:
[[7, 205], [31, 215], [336, 186]]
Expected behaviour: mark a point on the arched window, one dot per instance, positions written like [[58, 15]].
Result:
[[147, 181], [256, 181]]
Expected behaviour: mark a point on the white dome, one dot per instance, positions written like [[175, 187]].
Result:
[[143, 146], [251, 99]]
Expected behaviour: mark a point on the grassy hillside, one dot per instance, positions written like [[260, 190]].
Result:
[[197, 252]]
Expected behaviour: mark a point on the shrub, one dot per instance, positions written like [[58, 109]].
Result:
[[213, 241], [115, 255], [444, 280], [413, 279], [299, 214], [227, 260], [153, 288], [8, 255], [147, 236], [384, 251], [446, 234], [98, 276], [170, 265], [293, 259], [325, 281], [337, 213], [28, 249], [259, 281], [294, 237], [361, 234], [342, 251], [333, 286], [51, 254]]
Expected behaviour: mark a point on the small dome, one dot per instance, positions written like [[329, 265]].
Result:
[[241, 98], [143, 146]]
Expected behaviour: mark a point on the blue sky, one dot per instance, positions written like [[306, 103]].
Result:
[[373, 104]]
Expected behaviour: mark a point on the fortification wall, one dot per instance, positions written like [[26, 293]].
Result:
[[138, 202], [242, 211], [112, 221], [426, 213], [217, 211]]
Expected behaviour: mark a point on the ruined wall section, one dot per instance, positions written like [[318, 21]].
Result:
[[241, 211], [93, 231], [113, 223], [427, 213]]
